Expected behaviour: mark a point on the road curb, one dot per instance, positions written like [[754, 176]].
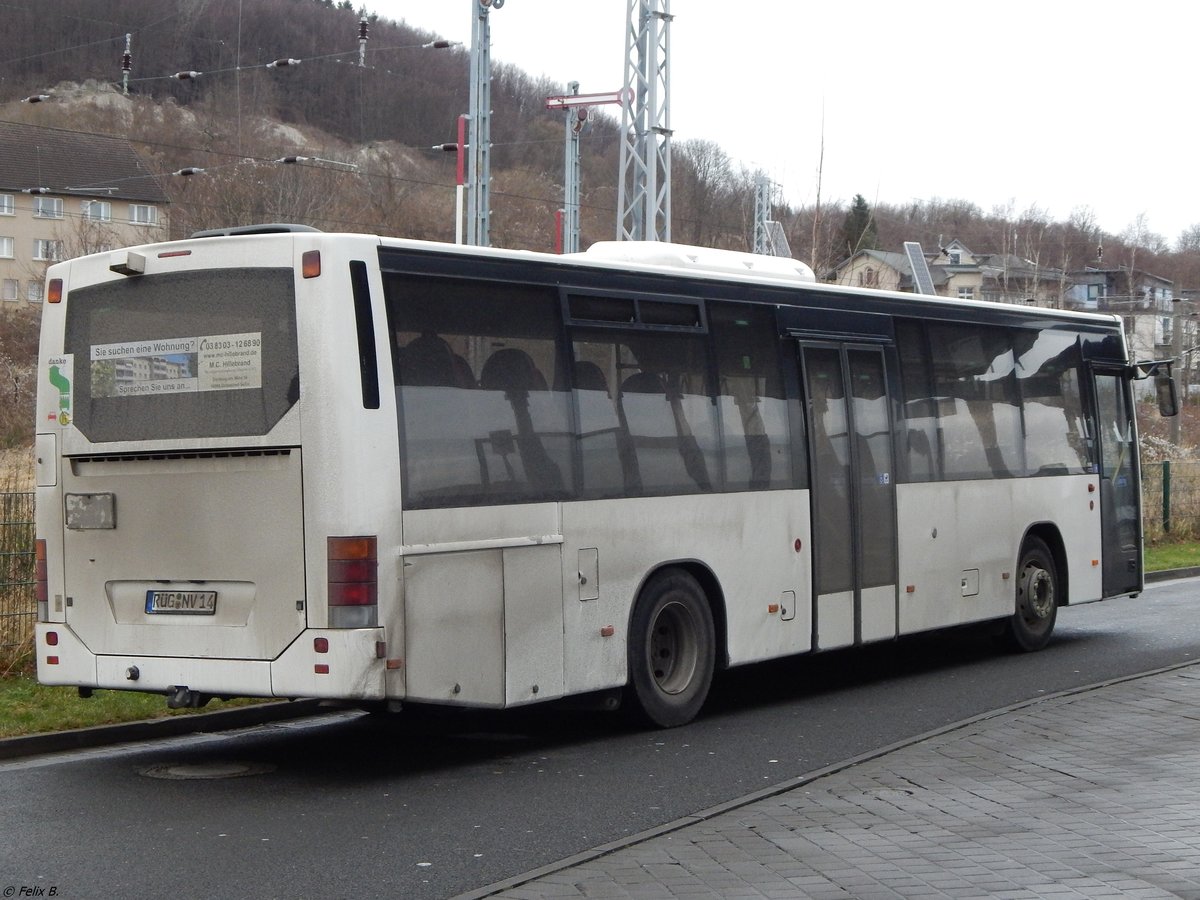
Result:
[[1171, 574], [149, 729]]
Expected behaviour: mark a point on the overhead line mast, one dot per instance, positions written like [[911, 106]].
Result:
[[576, 106], [644, 191], [479, 139]]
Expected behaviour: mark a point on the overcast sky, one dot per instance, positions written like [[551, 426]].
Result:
[[1059, 104]]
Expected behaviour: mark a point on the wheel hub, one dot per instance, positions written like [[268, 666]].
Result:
[[1038, 591], [673, 648]]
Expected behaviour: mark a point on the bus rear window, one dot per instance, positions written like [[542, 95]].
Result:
[[184, 355]]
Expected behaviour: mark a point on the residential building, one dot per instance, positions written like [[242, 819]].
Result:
[[960, 273], [66, 193], [880, 269], [1158, 323]]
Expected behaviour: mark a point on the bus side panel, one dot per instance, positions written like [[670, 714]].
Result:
[[959, 543], [483, 605], [1073, 504], [951, 532], [533, 624], [748, 542]]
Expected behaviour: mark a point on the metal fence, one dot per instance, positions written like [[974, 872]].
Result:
[[18, 607], [1171, 499]]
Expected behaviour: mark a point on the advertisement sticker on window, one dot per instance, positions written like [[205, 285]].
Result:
[[221, 362]]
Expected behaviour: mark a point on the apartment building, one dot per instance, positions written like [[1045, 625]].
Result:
[[66, 193]]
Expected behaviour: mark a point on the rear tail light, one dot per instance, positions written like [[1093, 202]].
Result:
[[40, 589], [353, 582]]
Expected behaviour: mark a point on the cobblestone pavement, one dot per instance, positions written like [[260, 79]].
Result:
[[1091, 794]]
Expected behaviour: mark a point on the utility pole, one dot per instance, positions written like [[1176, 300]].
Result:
[[479, 141], [644, 189], [1177, 320], [576, 106], [571, 176], [459, 148]]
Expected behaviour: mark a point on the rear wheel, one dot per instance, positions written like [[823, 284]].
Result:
[[1037, 598], [672, 649]]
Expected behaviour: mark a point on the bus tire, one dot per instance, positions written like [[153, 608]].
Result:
[[1037, 596], [672, 649]]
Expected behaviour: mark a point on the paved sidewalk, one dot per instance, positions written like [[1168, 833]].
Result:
[[1089, 794]]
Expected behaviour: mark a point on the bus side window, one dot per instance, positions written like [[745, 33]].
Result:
[[751, 402], [474, 362], [656, 433], [921, 447], [974, 367], [428, 361], [655, 408], [512, 371], [1048, 367], [608, 462]]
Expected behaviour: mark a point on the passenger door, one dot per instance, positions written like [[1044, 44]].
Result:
[[1120, 530], [853, 495]]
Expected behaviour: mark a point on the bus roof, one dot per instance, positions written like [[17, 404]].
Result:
[[653, 257], [682, 260]]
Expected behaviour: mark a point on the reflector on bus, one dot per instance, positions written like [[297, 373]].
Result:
[[41, 571]]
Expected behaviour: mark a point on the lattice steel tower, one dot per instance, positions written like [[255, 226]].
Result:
[[479, 139], [644, 192], [769, 236]]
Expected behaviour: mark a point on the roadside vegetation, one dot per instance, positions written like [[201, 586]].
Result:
[[27, 707], [1168, 554]]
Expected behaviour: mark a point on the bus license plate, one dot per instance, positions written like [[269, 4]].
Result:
[[182, 603]]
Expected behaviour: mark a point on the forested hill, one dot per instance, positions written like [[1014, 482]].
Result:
[[384, 117], [410, 96]]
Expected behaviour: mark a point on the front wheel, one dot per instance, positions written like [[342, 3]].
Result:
[[672, 649], [1032, 623]]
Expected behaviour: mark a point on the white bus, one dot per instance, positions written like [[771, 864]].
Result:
[[275, 462]]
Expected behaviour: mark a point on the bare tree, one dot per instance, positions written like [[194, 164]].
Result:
[[1189, 240], [702, 176], [1138, 236], [18, 368]]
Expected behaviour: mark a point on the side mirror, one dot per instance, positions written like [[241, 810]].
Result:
[[1168, 398]]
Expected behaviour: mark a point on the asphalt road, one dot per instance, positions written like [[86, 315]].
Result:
[[351, 805]]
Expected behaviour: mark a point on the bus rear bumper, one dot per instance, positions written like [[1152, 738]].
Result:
[[342, 664]]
